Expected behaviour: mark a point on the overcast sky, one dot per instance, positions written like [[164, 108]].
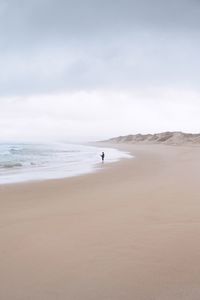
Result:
[[87, 70]]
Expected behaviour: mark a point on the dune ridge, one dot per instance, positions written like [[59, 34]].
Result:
[[166, 138]]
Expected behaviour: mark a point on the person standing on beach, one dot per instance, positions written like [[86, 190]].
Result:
[[103, 157]]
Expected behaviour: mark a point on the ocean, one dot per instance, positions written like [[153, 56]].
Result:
[[30, 162]]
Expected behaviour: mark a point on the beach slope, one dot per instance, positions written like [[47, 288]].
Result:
[[128, 232]]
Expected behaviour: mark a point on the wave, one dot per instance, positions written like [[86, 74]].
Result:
[[24, 162], [11, 165]]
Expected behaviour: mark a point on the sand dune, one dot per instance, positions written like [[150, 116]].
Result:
[[129, 232], [168, 138]]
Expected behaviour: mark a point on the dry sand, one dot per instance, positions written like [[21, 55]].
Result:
[[129, 232]]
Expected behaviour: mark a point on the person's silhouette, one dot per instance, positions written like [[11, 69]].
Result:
[[103, 157]]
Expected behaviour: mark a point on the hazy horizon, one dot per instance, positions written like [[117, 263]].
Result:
[[85, 70]]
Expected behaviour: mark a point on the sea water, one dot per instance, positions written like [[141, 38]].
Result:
[[28, 162]]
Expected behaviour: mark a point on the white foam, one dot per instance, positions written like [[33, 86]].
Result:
[[29, 162]]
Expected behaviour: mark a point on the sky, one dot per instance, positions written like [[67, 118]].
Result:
[[90, 70]]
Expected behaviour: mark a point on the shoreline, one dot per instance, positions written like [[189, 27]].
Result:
[[128, 232], [67, 169]]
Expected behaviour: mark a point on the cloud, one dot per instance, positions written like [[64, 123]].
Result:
[[74, 69], [83, 116], [34, 20], [50, 46], [145, 60]]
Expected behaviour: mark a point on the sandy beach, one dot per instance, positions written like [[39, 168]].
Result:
[[128, 232]]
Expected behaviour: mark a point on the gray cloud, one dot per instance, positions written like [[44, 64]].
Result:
[[42, 19], [50, 45], [99, 50], [121, 64]]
